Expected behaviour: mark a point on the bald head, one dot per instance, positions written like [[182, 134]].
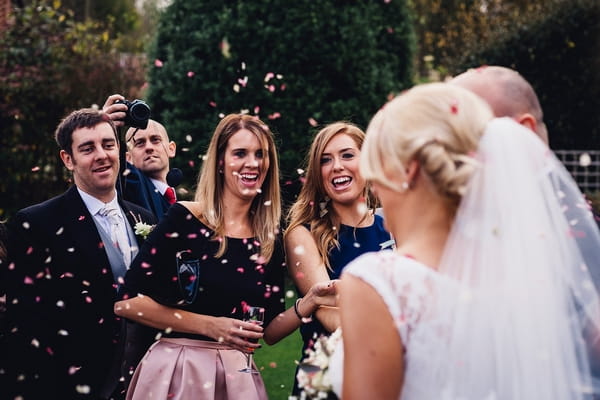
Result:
[[150, 150], [507, 93]]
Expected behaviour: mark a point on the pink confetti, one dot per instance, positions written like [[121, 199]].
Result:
[[212, 103], [261, 260], [35, 169], [282, 87], [73, 370], [256, 109], [158, 63], [88, 299], [28, 281], [240, 270], [81, 217], [190, 74], [271, 88], [312, 122], [275, 115], [454, 107], [269, 76], [273, 364]]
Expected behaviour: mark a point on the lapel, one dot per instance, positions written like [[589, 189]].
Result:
[[92, 261], [132, 218], [84, 233]]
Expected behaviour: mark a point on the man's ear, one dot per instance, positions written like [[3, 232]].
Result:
[[128, 157], [171, 148], [528, 121], [67, 159]]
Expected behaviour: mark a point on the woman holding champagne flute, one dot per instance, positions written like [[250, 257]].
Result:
[[206, 263]]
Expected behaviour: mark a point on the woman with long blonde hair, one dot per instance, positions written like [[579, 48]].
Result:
[[204, 264]]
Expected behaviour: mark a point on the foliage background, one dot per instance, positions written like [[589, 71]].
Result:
[[50, 64], [297, 65], [330, 60]]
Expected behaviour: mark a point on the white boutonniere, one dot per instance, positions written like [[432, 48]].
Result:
[[141, 228], [313, 374]]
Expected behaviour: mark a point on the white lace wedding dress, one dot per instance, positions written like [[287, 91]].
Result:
[[408, 288]]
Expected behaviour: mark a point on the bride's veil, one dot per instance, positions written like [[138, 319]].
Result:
[[522, 313]]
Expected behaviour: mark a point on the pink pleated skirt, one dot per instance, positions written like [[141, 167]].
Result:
[[185, 369]]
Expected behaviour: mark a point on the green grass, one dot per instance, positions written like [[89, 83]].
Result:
[[277, 363]]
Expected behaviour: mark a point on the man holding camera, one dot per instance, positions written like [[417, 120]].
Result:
[[147, 179], [66, 260]]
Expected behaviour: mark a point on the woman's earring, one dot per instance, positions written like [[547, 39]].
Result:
[[323, 207], [405, 186], [221, 171]]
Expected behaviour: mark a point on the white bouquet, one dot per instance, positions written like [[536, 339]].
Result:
[[313, 374]]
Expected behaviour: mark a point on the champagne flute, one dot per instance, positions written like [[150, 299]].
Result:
[[255, 315]]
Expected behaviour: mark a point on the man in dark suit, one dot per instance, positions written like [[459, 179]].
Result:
[[66, 259], [148, 154]]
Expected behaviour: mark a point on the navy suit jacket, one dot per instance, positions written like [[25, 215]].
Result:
[[63, 335], [139, 189]]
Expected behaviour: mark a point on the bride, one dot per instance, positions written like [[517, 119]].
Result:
[[492, 291]]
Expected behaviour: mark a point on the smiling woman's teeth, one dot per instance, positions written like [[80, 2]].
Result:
[[341, 180]]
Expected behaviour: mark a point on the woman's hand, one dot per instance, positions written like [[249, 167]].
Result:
[[320, 294], [236, 333]]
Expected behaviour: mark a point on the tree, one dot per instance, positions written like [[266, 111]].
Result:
[[558, 51], [49, 66], [297, 65]]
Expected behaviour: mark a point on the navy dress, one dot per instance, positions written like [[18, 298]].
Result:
[[353, 243]]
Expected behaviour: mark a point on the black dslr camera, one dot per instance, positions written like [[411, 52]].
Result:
[[138, 113]]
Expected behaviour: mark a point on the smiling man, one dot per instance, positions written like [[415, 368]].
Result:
[[67, 257]]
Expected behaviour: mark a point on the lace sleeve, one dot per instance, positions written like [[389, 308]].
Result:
[[401, 282]]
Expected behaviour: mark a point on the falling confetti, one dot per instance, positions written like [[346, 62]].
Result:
[[225, 48], [585, 160]]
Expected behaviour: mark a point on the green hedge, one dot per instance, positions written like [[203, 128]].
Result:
[[330, 60]]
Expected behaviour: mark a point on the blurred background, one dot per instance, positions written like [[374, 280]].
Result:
[[296, 64]]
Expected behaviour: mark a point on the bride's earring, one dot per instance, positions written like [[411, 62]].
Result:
[[404, 186]]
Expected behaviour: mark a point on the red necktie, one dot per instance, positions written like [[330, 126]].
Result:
[[170, 195]]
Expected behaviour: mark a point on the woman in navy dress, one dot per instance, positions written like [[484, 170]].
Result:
[[332, 222]]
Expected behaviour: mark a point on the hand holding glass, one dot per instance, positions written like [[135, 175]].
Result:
[[255, 315]]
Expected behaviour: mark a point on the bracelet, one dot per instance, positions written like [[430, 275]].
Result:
[[300, 317]]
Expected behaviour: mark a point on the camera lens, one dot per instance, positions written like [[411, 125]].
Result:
[[139, 111]]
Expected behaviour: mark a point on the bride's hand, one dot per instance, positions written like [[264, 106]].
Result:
[[323, 294]]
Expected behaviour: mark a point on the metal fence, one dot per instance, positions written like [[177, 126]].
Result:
[[584, 166]]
